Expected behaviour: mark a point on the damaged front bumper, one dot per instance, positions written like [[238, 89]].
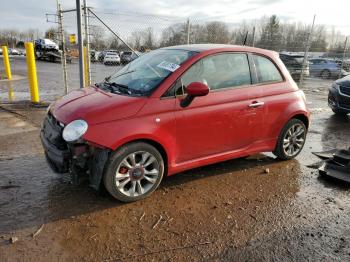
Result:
[[81, 160], [336, 164], [338, 100]]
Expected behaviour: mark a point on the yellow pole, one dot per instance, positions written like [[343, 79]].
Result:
[[86, 67], [33, 80], [5, 54], [11, 92]]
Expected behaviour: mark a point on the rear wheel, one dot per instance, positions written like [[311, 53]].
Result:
[[291, 140], [134, 172]]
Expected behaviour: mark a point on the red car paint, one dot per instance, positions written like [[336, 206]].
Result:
[[213, 128]]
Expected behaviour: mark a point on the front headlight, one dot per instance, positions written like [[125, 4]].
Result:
[[48, 108], [335, 86], [74, 130]]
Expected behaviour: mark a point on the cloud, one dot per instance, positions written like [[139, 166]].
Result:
[[31, 13]]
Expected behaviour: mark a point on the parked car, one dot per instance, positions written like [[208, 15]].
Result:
[[294, 64], [128, 56], [46, 44], [324, 68], [93, 56], [339, 96], [13, 51], [102, 54], [174, 109], [344, 64], [111, 58]]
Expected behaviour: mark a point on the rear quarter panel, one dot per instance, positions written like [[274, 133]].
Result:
[[280, 108], [283, 101]]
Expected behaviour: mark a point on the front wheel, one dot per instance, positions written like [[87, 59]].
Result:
[[326, 74], [133, 172], [291, 140]]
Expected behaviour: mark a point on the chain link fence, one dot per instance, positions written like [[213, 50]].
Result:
[[115, 38], [326, 49]]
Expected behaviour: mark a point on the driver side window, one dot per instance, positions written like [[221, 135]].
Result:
[[218, 72]]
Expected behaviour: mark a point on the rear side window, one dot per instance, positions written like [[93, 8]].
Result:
[[266, 70], [220, 71]]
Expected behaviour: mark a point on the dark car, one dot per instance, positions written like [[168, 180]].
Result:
[[339, 96], [101, 56], [294, 64], [128, 56]]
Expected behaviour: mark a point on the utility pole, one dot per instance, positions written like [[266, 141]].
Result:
[[87, 40], [80, 44], [63, 42], [306, 54], [245, 38], [253, 37], [188, 31], [343, 58]]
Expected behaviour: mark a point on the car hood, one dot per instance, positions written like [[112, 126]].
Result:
[[345, 81], [95, 106]]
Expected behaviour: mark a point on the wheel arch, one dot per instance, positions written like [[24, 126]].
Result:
[[162, 150], [303, 118]]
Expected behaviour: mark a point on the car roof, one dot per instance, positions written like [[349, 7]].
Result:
[[220, 47], [323, 59], [291, 55]]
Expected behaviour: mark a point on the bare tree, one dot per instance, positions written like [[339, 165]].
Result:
[[148, 39], [97, 37], [113, 42], [175, 35], [217, 32], [135, 39], [52, 33]]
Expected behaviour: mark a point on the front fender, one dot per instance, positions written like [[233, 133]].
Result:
[[113, 135]]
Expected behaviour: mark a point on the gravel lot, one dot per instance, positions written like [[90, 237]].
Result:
[[231, 211]]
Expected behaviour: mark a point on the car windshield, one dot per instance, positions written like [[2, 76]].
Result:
[[144, 74]]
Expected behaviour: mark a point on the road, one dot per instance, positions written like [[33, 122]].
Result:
[[231, 211]]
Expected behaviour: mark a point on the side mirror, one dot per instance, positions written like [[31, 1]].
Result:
[[193, 90]]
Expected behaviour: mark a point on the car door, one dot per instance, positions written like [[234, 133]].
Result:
[[228, 118], [275, 96], [316, 66]]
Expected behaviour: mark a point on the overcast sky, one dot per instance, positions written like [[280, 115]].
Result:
[[23, 14]]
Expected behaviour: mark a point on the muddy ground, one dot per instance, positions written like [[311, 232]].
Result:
[[231, 211]]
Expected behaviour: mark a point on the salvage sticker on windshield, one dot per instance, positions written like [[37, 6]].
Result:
[[168, 66]]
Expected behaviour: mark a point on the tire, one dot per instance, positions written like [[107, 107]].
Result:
[[339, 112], [133, 181], [296, 142], [326, 74]]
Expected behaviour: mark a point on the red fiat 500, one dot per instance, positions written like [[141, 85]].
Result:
[[174, 109]]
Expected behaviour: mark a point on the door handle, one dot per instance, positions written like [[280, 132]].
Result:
[[256, 104]]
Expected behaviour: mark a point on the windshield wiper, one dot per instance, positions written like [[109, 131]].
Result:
[[118, 88], [125, 73]]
